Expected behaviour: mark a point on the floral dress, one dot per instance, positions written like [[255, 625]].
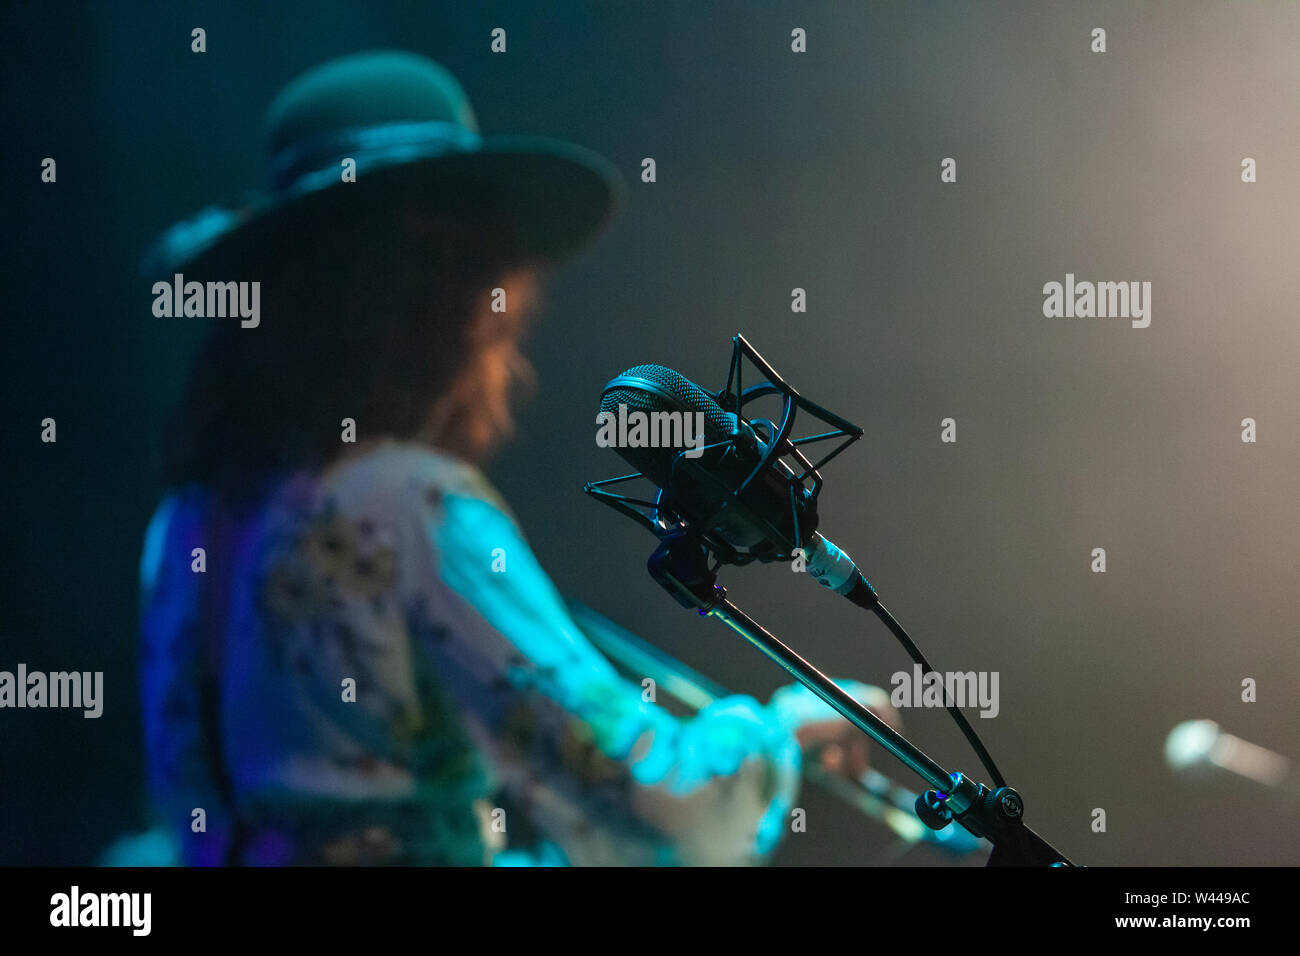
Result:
[[367, 665]]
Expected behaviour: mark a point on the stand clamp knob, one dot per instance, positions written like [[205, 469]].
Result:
[[933, 810]]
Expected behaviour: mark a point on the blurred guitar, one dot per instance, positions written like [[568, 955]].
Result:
[[874, 794]]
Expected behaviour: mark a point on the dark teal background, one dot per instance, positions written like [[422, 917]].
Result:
[[775, 170]]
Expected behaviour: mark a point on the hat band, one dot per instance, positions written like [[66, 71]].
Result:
[[389, 143]]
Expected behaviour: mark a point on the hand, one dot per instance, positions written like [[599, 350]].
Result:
[[827, 738], [838, 746]]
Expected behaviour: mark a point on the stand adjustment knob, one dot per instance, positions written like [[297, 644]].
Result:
[[933, 810], [1009, 803]]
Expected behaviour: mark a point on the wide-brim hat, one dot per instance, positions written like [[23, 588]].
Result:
[[411, 132]]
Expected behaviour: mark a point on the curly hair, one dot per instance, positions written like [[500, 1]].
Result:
[[379, 315]]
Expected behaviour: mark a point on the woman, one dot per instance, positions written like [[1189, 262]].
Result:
[[351, 655]]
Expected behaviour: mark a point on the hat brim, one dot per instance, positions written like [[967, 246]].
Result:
[[553, 196]]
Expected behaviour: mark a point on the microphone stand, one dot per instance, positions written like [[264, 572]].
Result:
[[680, 565]]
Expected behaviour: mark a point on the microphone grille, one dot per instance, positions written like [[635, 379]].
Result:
[[651, 389]]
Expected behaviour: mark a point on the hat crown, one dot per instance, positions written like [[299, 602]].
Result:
[[365, 90], [389, 126]]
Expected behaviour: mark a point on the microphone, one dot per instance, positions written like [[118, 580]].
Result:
[[728, 494], [723, 477], [1201, 747]]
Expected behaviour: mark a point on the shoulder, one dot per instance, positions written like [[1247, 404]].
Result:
[[395, 470], [398, 476]]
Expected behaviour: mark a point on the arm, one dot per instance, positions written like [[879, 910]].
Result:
[[596, 769]]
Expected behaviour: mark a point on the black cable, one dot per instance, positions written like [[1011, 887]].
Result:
[[957, 715], [864, 595]]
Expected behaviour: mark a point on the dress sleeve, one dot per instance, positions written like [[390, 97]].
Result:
[[582, 761]]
